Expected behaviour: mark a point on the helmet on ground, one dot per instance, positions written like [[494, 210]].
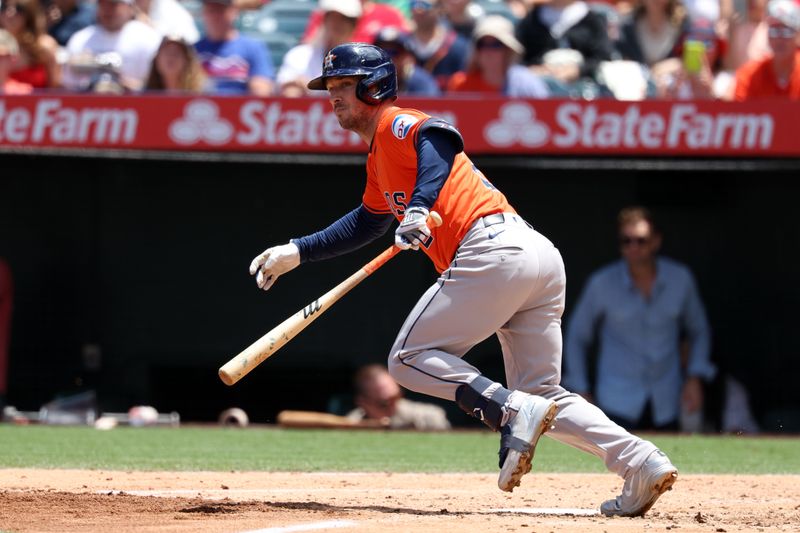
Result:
[[378, 74]]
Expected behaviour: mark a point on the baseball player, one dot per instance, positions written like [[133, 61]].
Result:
[[498, 276]]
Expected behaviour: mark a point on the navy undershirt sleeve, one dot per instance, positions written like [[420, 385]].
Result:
[[352, 231], [436, 151]]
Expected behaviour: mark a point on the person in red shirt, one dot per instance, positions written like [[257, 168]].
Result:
[[37, 64], [499, 276], [9, 53], [374, 17], [493, 66], [778, 75]]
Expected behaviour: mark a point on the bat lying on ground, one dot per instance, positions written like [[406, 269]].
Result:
[[277, 337], [314, 419]]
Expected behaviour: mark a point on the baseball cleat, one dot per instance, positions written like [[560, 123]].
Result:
[[519, 438], [643, 487]]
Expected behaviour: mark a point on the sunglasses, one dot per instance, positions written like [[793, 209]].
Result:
[[638, 241], [489, 44], [781, 32]]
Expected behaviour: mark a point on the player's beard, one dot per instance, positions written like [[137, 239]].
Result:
[[354, 118]]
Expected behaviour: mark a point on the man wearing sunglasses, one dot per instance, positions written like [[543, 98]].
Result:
[[640, 309], [777, 75]]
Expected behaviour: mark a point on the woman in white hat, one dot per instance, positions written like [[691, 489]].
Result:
[[493, 67]]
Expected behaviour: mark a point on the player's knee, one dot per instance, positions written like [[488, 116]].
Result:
[[397, 369]]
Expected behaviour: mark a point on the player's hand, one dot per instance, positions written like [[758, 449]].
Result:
[[692, 395], [413, 229], [273, 262]]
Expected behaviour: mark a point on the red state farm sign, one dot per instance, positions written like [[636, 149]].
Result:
[[634, 128], [489, 126], [47, 122]]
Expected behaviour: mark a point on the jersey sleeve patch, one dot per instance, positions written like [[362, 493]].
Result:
[[402, 124]]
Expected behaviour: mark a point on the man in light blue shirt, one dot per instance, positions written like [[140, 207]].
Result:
[[643, 307]]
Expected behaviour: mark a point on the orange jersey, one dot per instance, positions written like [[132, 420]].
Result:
[[470, 82], [756, 79], [392, 174]]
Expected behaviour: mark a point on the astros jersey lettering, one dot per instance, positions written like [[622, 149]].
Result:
[[392, 173]]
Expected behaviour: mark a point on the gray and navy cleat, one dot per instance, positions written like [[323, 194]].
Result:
[[643, 487], [519, 438]]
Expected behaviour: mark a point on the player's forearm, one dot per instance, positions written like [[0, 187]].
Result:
[[352, 231]]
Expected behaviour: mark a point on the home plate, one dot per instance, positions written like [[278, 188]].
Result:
[[548, 511]]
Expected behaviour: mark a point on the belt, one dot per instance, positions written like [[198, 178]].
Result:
[[499, 218]]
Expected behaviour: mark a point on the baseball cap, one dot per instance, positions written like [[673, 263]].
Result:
[[8, 44], [500, 28], [348, 8], [785, 12]]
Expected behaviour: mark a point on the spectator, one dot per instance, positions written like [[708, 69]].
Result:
[[462, 15], [303, 62], [493, 67], [115, 41], [437, 47], [379, 397], [778, 75], [411, 79], [36, 65], [559, 25], [748, 35], [640, 306], [66, 17], [6, 289], [697, 74], [235, 64], [168, 17], [374, 16], [653, 31], [176, 68], [9, 53]]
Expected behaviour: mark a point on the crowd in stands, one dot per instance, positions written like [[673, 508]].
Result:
[[624, 49]]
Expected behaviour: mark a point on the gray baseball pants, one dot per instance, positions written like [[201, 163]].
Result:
[[508, 279]]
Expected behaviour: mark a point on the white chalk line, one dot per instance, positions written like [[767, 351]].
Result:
[[330, 524], [548, 511]]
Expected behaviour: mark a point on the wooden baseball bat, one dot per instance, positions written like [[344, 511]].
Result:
[[314, 419], [277, 337]]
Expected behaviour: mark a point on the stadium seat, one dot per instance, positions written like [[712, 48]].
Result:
[[195, 9], [278, 43], [281, 16]]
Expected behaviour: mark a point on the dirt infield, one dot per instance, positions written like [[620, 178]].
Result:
[[121, 502]]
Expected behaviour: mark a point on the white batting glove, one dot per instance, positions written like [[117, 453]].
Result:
[[413, 230], [273, 262]]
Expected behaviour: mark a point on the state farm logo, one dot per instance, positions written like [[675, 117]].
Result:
[[587, 125], [517, 124], [201, 122], [51, 121]]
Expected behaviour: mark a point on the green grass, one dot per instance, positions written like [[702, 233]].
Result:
[[267, 449]]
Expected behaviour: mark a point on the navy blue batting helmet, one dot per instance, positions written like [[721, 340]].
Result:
[[378, 74]]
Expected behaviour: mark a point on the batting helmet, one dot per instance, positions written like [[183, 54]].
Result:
[[378, 74]]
